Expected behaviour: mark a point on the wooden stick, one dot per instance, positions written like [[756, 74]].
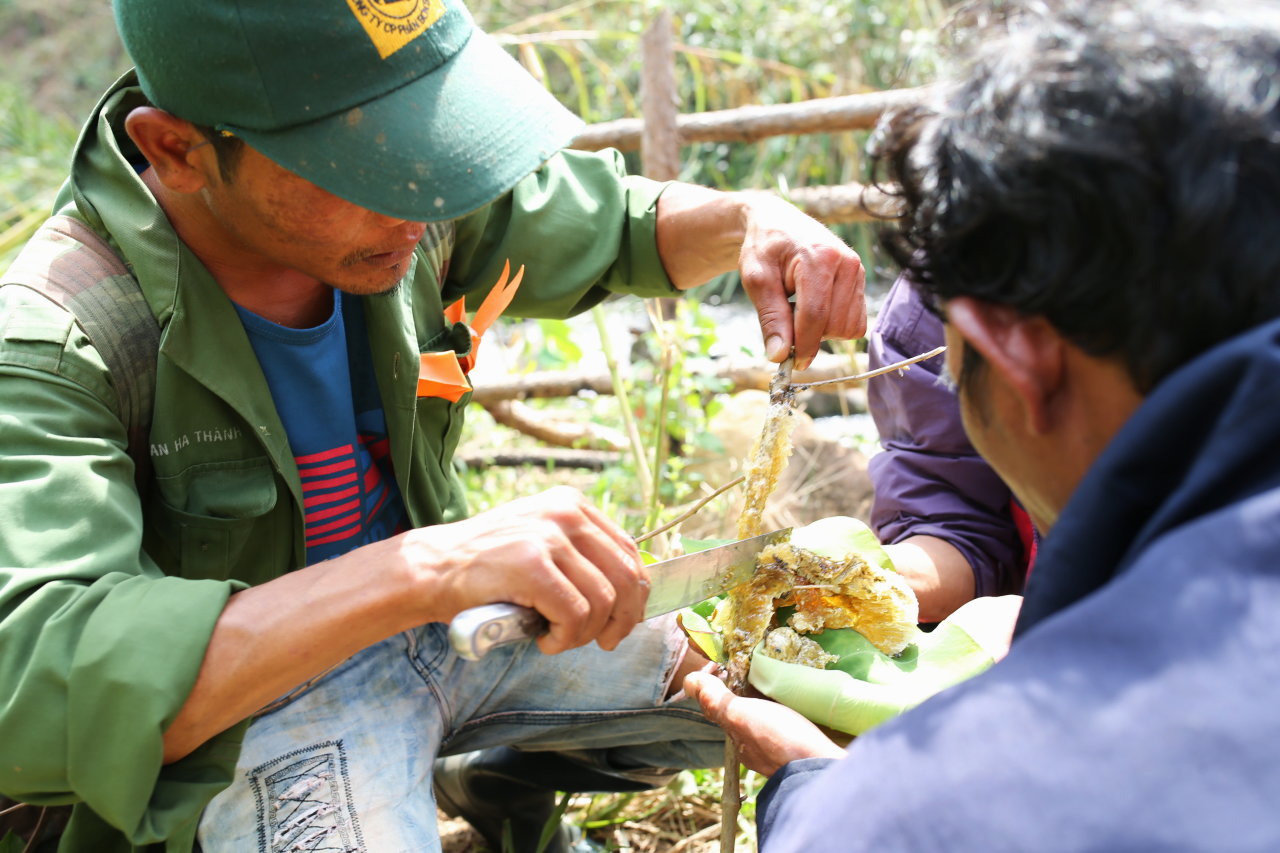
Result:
[[752, 123], [879, 371], [691, 512], [730, 798], [781, 398], [659, 138]]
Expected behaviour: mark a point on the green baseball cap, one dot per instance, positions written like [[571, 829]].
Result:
[[403, 107]]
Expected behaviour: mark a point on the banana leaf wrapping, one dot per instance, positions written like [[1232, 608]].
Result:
[[862, 687]]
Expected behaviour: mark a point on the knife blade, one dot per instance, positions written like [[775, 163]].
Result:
[[675, 583]]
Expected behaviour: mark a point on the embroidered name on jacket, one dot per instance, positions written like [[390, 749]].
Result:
[[197, 436]]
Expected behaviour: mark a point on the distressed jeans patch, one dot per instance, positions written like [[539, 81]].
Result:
[[304, 803]]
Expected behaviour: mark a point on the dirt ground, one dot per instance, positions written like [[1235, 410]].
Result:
[[662, 823]]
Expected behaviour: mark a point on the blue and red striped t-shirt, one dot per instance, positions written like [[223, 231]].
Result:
[[324, 388]]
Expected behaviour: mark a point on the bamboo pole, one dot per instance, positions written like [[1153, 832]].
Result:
[[845, 203], [753, 123]]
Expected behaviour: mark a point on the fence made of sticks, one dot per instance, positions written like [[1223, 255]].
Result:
[[662, 131]]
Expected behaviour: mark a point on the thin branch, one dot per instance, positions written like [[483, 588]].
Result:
[[624, 405], [888, 368], [684, 516], [35, 833]]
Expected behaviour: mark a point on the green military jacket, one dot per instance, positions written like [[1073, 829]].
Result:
[[109, 591]]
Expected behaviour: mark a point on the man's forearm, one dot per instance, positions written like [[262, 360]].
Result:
[[553, 551], [938, 573], [274, 637], [700, 233]]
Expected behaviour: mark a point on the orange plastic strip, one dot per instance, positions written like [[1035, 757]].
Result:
[[440, 375], [494, 304], [498, 299], [457, 312]]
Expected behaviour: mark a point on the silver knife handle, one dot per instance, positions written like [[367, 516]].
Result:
[[476, 630]]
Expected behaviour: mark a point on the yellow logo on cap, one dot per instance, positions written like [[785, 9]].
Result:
[[391, 24]]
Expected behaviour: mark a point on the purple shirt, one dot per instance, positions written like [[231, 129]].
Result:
[[929, 480]]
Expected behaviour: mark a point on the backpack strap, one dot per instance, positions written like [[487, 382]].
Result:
[[73, 266]]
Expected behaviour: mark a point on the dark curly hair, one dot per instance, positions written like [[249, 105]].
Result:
[[1110, 165]]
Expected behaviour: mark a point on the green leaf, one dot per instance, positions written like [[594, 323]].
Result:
[[708, 640], [692, 546], [865, 687], [11, 843], [705, 609], [552, 826]]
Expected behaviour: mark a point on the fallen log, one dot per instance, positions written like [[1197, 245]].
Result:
[[541, 457], [741, 374], [561, 433]]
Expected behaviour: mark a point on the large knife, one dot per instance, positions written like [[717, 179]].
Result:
[[675, 583]]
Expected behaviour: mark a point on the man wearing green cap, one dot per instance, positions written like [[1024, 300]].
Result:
[[229, 556]]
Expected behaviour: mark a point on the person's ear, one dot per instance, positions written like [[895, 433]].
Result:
[[176, 150], [1025, 352]]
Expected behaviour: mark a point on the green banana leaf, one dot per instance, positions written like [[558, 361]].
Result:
[[863, 687], [700, 632]]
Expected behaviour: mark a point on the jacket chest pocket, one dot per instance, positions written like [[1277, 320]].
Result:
[[214, 516]]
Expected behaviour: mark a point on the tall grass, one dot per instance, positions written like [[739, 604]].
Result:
[[35, 152]]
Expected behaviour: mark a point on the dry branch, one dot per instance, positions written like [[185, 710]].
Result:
[[542, 457], [871, 374], [752, 123], [845, 203], [741, 374], [561, 433]]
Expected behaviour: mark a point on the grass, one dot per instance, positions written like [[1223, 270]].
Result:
[[35, 151], [683, 817]]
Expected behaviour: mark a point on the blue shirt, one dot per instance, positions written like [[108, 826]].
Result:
[[323, 386]]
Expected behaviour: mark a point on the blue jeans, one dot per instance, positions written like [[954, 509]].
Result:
[[346, 764]]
